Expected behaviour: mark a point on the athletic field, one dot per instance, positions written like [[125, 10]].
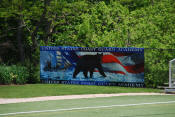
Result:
[[120, 106]]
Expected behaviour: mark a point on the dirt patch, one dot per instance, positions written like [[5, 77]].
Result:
[[19, 100]]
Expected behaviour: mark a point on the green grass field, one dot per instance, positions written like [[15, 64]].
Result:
[[37, 90], [122, 106]]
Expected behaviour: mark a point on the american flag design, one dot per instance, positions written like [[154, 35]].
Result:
[[119, 66]]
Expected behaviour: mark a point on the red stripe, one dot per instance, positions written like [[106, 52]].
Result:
[[110, 59], [138, 68]]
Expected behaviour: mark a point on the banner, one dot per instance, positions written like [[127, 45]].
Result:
[[109, 66]]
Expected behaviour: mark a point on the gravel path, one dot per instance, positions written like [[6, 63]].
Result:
[[19, 100]]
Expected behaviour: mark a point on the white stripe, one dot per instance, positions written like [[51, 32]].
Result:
[[81, 108], [113, 67]]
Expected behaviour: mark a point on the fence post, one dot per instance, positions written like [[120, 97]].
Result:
[[170, 74]]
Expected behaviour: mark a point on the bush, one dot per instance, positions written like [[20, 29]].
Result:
[[34, 74], [5, 75], [156, 67], [14, 74], [34, 70]]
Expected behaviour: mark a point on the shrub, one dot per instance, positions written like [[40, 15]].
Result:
[[34, 74], [156, 67], [34, 71], [5, 75], [14, 74]]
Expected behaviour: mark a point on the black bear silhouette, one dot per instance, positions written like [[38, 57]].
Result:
[[88, 63]]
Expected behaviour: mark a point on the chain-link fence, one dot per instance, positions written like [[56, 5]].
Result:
[[156, 66]]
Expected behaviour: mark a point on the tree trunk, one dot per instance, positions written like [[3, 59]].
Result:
[[19, 40]]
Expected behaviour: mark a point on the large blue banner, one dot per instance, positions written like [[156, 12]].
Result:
[[92, 66]]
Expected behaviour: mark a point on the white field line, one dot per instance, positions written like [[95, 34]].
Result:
[[19, 100], [82, 108]]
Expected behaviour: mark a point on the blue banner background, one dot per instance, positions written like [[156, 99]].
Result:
[[125, 65]]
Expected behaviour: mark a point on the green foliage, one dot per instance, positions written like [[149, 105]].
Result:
[[13, 74], [33, 68], [91, 23], [34, 74], [5, 77], [157, 66]]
